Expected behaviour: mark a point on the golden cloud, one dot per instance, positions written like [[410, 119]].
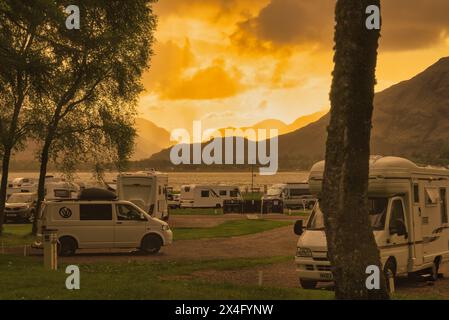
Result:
[[213, 82]]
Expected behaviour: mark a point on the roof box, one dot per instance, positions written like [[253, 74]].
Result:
[[91, 194]]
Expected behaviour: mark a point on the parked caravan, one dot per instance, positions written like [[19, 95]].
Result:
[[147, 190], [208, 196], [28, 185], [292, 195], [97, 221], [408, 210], [61, 191]]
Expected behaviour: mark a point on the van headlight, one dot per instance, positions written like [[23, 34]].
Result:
[[165, 227], [304, 252]]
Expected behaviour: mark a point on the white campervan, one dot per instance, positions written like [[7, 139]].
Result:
[[100, 224], [147, 190], [408, 213], [292, 195], [208, 196]]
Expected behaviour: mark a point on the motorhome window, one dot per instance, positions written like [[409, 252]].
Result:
[[205, 194], [187, 189], [95, 212], [377, 210], [62, 193], [223, 192], [316, 220], [443, 206], [129, 213], [416, 193], [432, 196], [299, 192], [397, 214], [234, 193]]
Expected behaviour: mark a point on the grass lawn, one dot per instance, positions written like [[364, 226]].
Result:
[[196, 211], [229, 229], [16, 235], [25, 278]]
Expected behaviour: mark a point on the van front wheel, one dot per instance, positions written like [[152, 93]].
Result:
[[308, 284], [66, 247], [151, 244]]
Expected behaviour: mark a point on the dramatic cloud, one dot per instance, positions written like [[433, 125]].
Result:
[[213, 82], [407, 24]]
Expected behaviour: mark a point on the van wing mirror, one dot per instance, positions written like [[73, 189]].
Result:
[[299, 227]]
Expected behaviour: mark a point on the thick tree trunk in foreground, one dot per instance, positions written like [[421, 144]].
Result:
[[350, 239]]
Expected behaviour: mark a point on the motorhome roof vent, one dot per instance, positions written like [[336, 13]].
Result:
[[92, 194]]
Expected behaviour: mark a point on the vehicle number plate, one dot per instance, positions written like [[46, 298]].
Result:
[[326, 276]]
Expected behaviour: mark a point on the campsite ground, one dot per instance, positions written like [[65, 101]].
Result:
[[222, 257]]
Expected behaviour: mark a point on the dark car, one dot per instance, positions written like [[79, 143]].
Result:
[[20, 207]]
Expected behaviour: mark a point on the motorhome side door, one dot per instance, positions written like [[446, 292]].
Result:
[[398, 234], [418, 206]]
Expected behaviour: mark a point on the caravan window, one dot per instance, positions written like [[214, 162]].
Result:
[[187, 189], [96, 212], [299, 192], [223, 193], [204, 193], [62, 193], [234, 193], [432, 196]]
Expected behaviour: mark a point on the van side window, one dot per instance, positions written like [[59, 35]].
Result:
[[129, 213], [204, 193], [397, 213], [416, 193], [96, 212]]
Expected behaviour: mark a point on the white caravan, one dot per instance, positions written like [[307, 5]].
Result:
[[293, 195], [18, 185], [208, 196], [61, 190], [102, 224], [408, 213], [147, 190]]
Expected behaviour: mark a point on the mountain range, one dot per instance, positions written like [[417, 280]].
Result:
[[411, 119]]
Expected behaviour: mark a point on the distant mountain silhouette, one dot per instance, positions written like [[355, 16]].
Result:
[[410, 119]]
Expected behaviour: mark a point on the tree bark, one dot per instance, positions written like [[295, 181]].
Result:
[[4, 186], [351, 244]]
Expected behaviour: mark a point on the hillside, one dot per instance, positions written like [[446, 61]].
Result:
[[410, 119]]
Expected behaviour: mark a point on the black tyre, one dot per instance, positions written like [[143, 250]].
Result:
[[308, 284], [433, 271], [389, 272], [151, 244], [67, 247]]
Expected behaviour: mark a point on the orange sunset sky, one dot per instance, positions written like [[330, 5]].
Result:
[[237, 62]]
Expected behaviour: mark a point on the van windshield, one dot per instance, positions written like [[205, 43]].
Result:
[[377, 214], [20, 198]]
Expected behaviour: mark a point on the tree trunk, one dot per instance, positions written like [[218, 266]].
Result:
[[351, 244], [4, 186], [41, 185]]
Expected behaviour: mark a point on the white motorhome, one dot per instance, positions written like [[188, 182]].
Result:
[[103, 223], [208, 196], [61, 190], [408, 213], [293, 195], [147, 190]]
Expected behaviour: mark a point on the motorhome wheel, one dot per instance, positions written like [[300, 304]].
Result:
[[433, 271], [308, 284]]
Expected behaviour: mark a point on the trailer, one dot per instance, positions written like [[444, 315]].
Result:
[[208, 196]]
